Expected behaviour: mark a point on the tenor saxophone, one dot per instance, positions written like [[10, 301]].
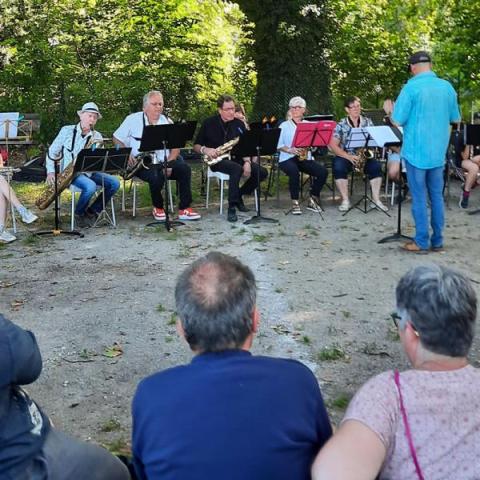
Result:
[[64, 179]]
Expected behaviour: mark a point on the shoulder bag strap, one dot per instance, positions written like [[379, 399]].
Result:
[[408, 433]]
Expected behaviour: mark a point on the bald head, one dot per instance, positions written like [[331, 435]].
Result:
[[215, 299]]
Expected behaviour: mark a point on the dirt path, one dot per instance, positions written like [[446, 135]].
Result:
[[325, 291]]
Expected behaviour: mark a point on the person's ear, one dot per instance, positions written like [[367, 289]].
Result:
[[179, 327], [255, 320]]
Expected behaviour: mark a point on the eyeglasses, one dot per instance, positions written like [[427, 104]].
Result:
[[296, 106], [396, 319], [228, 109], [351, 107]]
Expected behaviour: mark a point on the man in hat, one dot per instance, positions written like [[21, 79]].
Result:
[[67, 145], [426, 107]]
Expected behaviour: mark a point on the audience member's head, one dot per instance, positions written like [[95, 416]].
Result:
[[215, 299], [441, 306]]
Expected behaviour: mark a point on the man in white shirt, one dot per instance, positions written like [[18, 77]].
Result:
[[129, 134]]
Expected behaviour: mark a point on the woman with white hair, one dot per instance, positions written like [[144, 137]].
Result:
[[290, 160], [423, 423]]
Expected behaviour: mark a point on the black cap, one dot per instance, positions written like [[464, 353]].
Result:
[[419, 57]]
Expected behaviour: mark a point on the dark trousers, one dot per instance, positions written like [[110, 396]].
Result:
[[234, 168], [342, 167], [293, 166], [181, 172]]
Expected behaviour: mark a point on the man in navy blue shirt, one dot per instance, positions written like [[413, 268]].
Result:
[[227, 414]]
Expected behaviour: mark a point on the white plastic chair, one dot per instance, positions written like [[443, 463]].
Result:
[[134, 199], [221, 177], [73, 189]]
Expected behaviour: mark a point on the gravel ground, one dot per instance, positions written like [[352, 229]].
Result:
[[102, 307]]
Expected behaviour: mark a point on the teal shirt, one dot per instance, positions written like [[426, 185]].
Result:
[[425, 108]]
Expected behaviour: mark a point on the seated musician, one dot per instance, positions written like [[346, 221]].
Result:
[[347, 158], [470, 162], [215, 132], [67, 145], [129, 134], [290, 161], [7, 195]]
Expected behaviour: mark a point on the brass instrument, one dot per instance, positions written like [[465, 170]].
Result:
[[223, 152], [142, 160], [363, 154], [63, 179]]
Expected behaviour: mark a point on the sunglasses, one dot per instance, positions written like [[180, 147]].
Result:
[[396, 320]]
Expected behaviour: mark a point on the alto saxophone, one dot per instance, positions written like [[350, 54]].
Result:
[[363, 154], [223, 152], [64, 179]]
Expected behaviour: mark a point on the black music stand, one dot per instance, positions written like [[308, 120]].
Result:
[[163, 137], [57, 230], [472, 137], [256, 143], [103, 160], [362, 138], [313, 134]]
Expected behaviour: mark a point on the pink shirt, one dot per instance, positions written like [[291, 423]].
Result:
[[443, 410]]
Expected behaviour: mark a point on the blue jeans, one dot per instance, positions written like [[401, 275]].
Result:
[[88, 186], [421, 182]]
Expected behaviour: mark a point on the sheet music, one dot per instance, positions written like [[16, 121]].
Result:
[[384, 134], [358, 137]]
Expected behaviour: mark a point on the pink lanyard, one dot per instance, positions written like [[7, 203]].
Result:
[[407, 426]]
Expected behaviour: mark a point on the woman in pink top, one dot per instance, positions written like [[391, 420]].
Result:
[[423, 423]]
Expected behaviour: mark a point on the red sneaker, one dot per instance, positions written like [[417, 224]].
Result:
[[188, 214], [159, 214]]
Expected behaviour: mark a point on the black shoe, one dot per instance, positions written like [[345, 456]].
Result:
[[92, 214], [232, 214], [81, 221], [241, 206]]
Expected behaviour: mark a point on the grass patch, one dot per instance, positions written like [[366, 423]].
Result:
[[341, 402], [160, 308], [346, 314], [119, 447], [111, 425], [168, 339], [332, 353], [278, 290], [31, 240], [173, 319], [306, 340], [259, 237]]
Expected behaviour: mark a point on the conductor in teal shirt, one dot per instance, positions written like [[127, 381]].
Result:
[[425, 108]]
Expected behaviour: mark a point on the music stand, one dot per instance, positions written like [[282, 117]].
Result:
[[390, 136], [472, 137], [363, 138], [57, 230], [166, 136], [256, 143], [102, 160], [313, 134]]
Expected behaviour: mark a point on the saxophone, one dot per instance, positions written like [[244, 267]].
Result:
[[363, 154], [223, 152], [143, 160], [64, 179]]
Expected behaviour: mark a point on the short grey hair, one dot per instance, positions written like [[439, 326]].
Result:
[[151, 93], [441, 305], [215, 299], [297, 102]]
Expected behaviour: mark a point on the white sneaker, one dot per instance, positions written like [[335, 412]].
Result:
[[379, 205], [7, 237], [28, 217], [296, 210], [344, 206]]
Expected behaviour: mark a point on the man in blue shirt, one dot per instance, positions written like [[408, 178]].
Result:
[[228, 414], [426, 107]]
